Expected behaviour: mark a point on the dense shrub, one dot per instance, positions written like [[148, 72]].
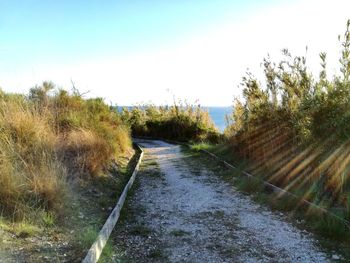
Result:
[[177, 122], [296, 127], [90, 133]]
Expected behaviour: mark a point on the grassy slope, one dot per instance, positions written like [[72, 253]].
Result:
[[91, 203], [56, 186]]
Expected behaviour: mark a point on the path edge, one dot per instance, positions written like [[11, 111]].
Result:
[[267, 184], [96, 249]]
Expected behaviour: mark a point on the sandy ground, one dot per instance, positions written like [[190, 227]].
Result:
[[186, 214]]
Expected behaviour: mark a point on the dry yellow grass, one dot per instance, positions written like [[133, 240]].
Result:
[[85, 150], [31, 175], [43, 139]]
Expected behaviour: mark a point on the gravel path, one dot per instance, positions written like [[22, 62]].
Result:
[[186, 214]]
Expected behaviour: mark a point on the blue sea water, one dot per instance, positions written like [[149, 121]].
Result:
[[216, 113]]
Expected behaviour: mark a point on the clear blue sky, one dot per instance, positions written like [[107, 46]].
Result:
[[60, 40], [68, 30]]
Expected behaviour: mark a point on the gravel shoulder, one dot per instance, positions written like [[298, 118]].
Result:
[[184, 213]]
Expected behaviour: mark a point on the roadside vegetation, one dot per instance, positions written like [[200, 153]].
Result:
[[55, 148], [292, 130], [180, 122], [47, 140]]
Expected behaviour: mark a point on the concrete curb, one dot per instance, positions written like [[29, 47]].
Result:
[[95, 251]]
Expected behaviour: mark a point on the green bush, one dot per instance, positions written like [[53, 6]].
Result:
[[177, 122], [297, 126]]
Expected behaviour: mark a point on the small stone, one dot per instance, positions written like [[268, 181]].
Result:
[[335, 257]]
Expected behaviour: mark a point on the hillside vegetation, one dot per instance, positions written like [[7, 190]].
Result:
[[180, 122], [295, 128], [49, 139]]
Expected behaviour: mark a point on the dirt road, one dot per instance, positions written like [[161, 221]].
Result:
[[181, 213]]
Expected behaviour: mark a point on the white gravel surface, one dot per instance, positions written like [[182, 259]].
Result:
[[187, 214]]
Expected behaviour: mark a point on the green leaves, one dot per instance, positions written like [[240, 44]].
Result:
[[292, 111]]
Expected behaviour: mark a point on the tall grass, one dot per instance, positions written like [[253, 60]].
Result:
[[295, 127], [90, 133], [31, 174], [48, 138]]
